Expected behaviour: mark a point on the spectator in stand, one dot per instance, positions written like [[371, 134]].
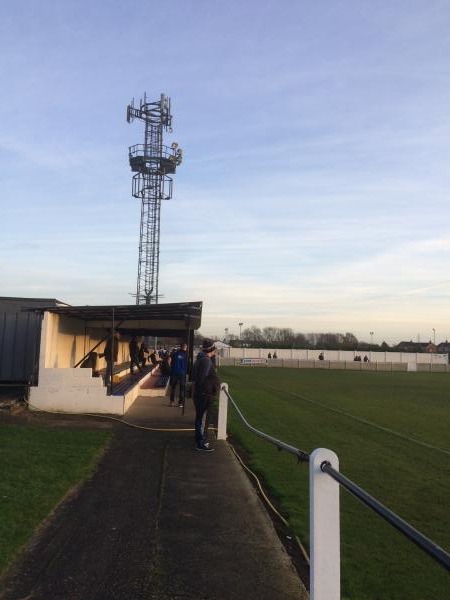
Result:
[[143, 351], [275, 354], [321, 356], [164, 366], [111, 353], [154, 358], [133, 347], [179, 364]]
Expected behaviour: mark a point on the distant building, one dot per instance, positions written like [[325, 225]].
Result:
[[223, 349], [408, 347], [416, 347], [444, 347]]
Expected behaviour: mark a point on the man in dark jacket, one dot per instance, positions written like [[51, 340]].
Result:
[[133, 347], [143, 350], [111, 353], [205, 387]]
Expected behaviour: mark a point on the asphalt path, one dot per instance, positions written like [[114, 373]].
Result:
[[157, 520]]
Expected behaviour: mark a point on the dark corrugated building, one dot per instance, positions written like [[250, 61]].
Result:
[[20, 334]]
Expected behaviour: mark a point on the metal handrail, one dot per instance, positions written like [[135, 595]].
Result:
[[301, 456], [418, 538]]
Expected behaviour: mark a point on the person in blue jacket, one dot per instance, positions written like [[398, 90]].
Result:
[[179, 365]]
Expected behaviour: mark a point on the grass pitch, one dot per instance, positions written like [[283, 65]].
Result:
[[38, 467], [391, 432]]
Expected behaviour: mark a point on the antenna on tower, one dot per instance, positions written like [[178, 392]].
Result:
[[151, 162]]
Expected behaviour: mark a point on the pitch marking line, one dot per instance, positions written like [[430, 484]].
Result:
[[361, 420]]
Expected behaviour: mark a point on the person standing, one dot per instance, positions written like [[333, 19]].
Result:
[[165, 366], [205, 385], [179, 364], [143, 350], [111, 353], [133, 347]]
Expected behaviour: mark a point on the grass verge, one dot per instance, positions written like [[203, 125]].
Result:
[[38, 467], [390, 431]]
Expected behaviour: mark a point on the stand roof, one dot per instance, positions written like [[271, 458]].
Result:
[[162, 320]]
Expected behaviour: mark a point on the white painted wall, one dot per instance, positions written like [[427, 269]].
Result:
[[73, 391], [61, 387], [67, 341]]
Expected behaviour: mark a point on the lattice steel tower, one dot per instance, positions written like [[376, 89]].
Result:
[[152, 162]]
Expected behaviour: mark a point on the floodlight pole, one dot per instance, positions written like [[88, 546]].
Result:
[[151, 162]]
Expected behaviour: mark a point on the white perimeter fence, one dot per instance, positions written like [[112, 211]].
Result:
[[336, 355], [324, 482], [336, 359]]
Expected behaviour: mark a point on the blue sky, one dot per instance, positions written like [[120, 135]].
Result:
[[315, 183]]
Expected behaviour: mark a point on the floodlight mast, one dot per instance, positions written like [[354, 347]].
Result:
[[151, 162]]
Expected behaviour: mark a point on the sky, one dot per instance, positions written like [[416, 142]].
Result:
[[314, 190]]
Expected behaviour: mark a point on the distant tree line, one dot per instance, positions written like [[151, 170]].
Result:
[[285, 337]]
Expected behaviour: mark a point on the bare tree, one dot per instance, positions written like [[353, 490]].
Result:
[[270, 334], [349, 342], [300, 341], [286, 335], [328, 341], [252, 334]]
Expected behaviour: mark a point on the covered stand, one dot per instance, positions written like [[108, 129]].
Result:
[[71, 333]]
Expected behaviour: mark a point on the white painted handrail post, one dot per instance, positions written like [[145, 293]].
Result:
[[223, 413], [324, 528]]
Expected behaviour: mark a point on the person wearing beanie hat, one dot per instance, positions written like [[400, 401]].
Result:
[[205, 385], [208, 345]]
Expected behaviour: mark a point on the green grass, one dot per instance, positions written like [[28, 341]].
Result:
[[38, 467], [306, 408]]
